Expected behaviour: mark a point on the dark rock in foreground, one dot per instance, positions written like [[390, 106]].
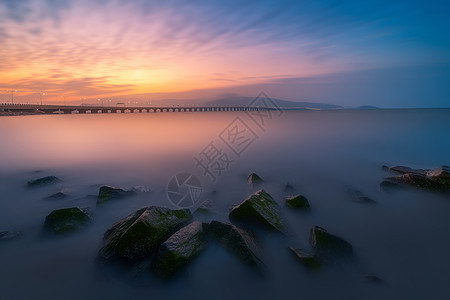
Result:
[[68, 219], [138, 235], [44, 181], [259, 208], [180, 249], [107, 193], [8, 235], [253, 179], [298, 202], [308, 260], [240, 242], [327, 245]]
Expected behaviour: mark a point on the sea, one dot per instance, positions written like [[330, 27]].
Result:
[[403, 238]]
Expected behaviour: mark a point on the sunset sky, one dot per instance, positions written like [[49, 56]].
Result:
[[384, 53]]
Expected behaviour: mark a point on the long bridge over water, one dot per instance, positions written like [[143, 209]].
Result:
[[92, 109]]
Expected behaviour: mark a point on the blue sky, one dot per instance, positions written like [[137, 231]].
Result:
[[385, 53]]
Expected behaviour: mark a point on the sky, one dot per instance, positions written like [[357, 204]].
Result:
[[350, 53]]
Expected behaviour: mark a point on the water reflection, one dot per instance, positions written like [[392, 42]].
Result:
[[319, 153]]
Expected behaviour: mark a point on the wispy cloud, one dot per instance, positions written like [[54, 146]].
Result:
[[174, 44]]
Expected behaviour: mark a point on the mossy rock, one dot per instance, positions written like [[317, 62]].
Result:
[[259, 208], [107, 193], [138, 235], [180, 249], [327, 245], [239, 242], [68, 219], [298, 202], [308, 260], [44, 181]]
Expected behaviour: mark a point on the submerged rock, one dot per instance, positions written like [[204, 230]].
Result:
[[374, 279], [406, 170], [328, 245], [138, 235], [180, 249], [288, 187], [253, 179], [358, 196], [298, 202], [56, 196], [259, 208], [48, 180], [141, 189], [68, 219], [205, 207], [308, 260], [240, 242], [107, 193], [9, 235], [387, 186]]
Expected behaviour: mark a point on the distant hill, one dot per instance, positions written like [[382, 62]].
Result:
[[240, 100], [366, 107]]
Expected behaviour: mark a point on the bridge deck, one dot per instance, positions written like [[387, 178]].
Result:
[[63, 109]]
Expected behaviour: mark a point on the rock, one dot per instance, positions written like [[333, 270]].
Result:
[[298, 202], [9, 235], [205, 207], [253, 179], [107, 193], [180, 249], [259, 208], [288, 187], [240, 242], [328, 245], [387, 186], [48, 180], [433, 180], [358, 196], [308, 260], [407, 170], [138, 235], [441, 175], [68, 219], [56, 196], [374, 279], [141, 189], [385, 168], [419, 181]]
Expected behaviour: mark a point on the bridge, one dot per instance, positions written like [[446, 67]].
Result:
[[85, 109]]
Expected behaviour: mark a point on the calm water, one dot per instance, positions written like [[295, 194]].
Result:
[[404, 238]]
